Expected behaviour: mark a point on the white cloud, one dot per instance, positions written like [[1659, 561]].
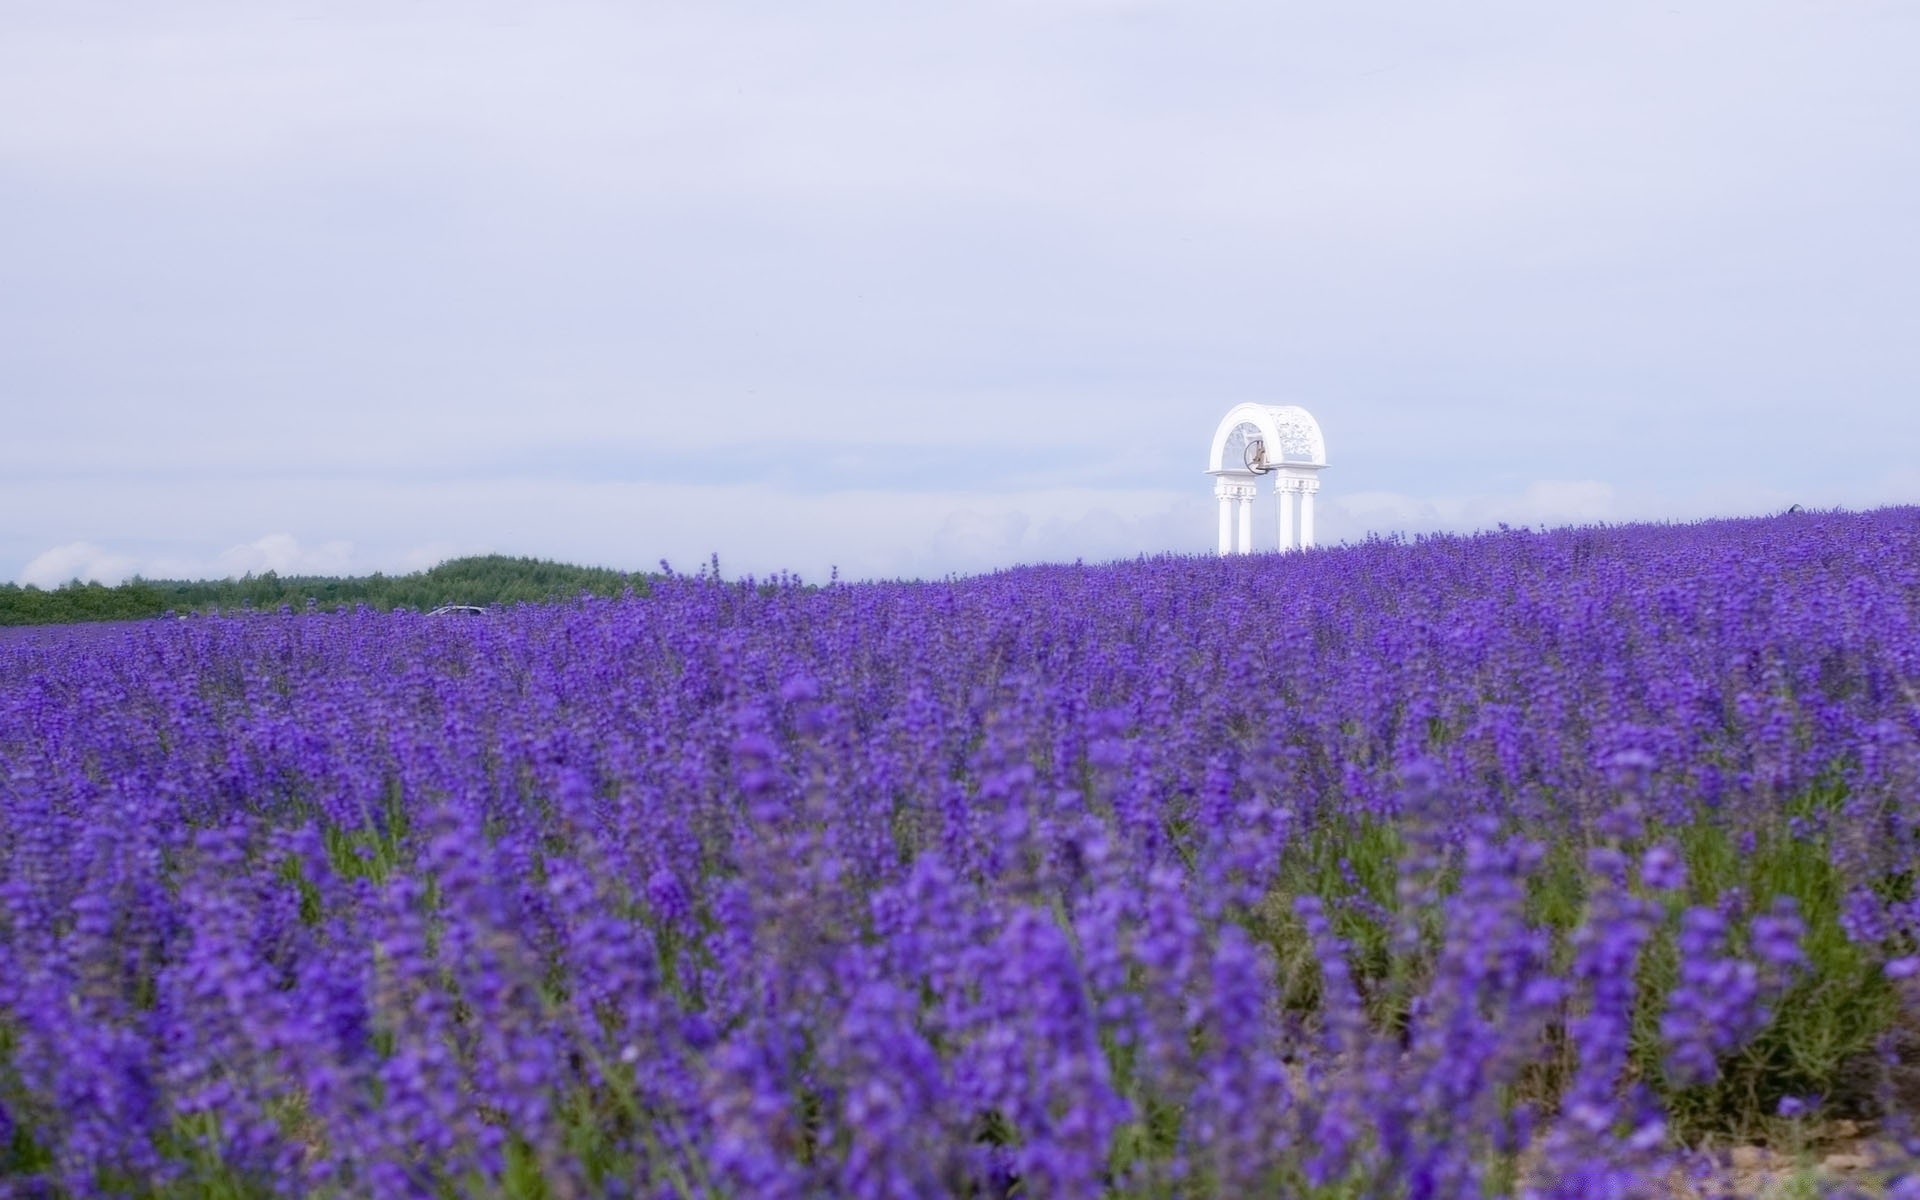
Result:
[[970, 539], [282, 553], [759, 529], [754, 527], [76, 560], [1543, 502], [1554, 502]]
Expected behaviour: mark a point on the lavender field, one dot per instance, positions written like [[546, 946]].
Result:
[[1546, 864]]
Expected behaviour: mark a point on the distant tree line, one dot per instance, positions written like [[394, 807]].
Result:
[[481, 580]]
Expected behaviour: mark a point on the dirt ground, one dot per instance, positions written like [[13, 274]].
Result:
[[1841, 1153]]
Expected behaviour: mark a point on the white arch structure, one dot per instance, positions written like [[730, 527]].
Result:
[[1281, 440]]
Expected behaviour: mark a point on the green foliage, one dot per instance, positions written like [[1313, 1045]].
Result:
[[1818, 1044], [480, 581], [77, 601], [374, 849], [1823, 1031]]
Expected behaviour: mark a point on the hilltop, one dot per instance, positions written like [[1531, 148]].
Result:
[[480, 579]]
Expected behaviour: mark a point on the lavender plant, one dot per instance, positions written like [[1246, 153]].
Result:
[[1526, 864]]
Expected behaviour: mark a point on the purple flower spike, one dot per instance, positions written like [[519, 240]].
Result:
[[1797, 1106], [1662, 869], [1169, 877]]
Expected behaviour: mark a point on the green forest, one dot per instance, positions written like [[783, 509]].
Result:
[[482, 580]]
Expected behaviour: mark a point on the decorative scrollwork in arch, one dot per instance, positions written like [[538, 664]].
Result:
[[1282, 440]]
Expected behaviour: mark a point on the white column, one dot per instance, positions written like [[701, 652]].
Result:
[[1226, 523], [1246, 521], [1284, 489], [1306, 514]]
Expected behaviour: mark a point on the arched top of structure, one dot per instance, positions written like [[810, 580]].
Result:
[[1290, 433]]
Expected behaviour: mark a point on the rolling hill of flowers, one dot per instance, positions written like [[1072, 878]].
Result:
[[1542, 864]]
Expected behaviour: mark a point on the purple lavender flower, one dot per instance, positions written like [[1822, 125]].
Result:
[[1793, 1107], [1662, 869], [1179, 876]]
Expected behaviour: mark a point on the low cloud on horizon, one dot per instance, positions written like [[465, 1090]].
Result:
[[919, 536]]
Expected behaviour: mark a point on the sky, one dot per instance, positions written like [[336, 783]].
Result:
[[910, 289]]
